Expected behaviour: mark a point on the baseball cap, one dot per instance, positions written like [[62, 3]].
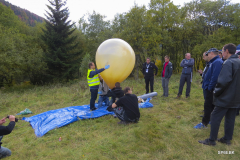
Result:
[[211, 50]]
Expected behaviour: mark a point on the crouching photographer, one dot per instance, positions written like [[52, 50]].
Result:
[[4, 130]]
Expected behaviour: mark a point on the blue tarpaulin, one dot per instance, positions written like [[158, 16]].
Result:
[[44, 122]]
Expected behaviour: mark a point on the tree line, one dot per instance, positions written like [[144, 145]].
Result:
[[59, 50]]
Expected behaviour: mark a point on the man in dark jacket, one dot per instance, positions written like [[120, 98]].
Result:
[[4, 130], [186, 76], [126, 108], [226, 97], [166, 74], [115, 93], [212, 71], [148, 72]]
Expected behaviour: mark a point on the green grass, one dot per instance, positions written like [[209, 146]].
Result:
[[163, 132]]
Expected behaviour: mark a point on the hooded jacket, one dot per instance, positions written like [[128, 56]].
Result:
[[212, 71]]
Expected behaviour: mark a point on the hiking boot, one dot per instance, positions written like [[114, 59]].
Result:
[[222, 140], [200, 126], [207, 142]]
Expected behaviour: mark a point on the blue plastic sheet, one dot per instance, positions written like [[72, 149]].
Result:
[[44, 122]]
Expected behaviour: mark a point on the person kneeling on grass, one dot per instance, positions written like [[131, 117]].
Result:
[[126, 108]]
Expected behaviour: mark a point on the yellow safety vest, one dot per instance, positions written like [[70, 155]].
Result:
[[94, 81]]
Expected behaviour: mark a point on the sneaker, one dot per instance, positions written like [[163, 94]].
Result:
[[222, 140], [199, 126], [208, 142], [115, 116], [187, 96], [93, 109]]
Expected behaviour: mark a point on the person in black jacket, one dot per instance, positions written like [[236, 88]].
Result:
[[126, 108], [4, 130], [115, 93], [148, 72], [166, 74], [226, 97]]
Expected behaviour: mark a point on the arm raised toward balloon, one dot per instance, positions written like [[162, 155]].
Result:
[[93, 73], [107, 66]]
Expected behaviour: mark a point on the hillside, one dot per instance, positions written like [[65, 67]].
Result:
[[26, 16]]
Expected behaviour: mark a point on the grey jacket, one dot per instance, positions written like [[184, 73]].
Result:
[[103, 87], [168, 70], [187, 66], [227, 90]]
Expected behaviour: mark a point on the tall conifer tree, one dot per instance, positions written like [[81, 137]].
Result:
[[60, 57]]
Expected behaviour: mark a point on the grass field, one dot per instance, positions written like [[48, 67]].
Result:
[[163, 132]]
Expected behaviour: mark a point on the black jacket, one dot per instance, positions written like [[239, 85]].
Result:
[[168, 70], [227, 90], [115, 93], [4, 130], [150, 69]]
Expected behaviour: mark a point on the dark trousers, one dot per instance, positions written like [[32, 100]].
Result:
[[208, 106], [147, 80], [120, 113], [165, 82], [94, 93], [216, 118], [185, 78]]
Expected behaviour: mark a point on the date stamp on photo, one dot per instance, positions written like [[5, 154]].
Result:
[[225, 152]]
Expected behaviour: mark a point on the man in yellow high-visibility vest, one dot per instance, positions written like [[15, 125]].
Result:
[[93, 82]]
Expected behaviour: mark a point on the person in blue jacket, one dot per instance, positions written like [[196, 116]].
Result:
[[186, 76], [212, 72]]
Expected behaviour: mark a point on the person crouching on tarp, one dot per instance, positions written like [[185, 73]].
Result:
[[126, 108]]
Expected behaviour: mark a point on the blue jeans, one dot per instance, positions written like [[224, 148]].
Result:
[[104, 99], [4, 152]]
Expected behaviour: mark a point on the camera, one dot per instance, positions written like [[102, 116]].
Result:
[[16, 120]]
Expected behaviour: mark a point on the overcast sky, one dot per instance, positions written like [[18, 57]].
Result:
[[78, 8]]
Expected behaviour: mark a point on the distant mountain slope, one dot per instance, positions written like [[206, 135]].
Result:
[[23, 14]]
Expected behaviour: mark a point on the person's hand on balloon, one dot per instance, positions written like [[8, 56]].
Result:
[[107, 66]]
